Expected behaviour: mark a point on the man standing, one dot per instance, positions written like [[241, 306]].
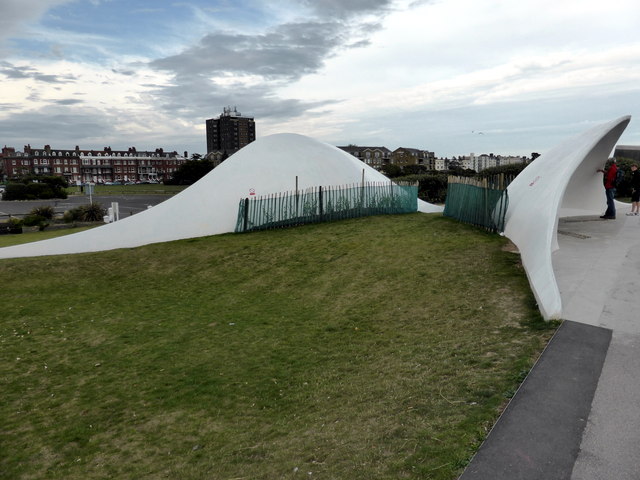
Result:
[[635, 192], [610, 190]]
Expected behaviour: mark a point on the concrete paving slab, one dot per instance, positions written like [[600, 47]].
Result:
[[598, 271], [605, 271], [539, 434], [610, 447]]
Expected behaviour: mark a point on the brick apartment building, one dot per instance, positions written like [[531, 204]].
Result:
[[377, 157], [98, 166], [229, 132]]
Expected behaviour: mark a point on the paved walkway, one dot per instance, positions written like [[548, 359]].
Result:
[[577, 415], [598, 271]]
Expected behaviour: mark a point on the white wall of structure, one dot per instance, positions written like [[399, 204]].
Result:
[[560, 183], [210, 206]]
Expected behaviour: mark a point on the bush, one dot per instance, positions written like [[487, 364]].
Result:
[[71, 216], [432, 187], [15, 191], [511, 170], [85, 213], [45, 211], [14, 225], [391, 170], [33, 188], [94, 212], [32, 220]]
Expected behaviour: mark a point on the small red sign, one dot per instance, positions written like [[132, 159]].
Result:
[[252, 191]]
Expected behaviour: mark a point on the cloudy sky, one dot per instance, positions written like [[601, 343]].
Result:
[[450, 76]]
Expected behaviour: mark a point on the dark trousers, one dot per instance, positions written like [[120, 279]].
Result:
[[611, 206]]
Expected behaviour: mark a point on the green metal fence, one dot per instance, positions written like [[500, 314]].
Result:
[[323, 204], [479, 202]]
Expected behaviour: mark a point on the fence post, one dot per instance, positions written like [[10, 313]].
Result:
[[246, 215], [297, 198], [320, 200]]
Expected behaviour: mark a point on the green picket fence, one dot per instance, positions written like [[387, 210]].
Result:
[[324, 204], [480, 202]]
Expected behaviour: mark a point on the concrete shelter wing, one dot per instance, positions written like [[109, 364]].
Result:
[[560, 183]]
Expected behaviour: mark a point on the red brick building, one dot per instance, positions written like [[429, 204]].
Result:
[[98, 166]]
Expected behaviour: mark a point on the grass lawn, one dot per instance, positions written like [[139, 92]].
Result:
[[8, 240], [376, 348], [140, 189]]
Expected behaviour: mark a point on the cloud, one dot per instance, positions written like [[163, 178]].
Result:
[[197, 99], [68, 101], [60, 125], [342, 9], [289, 51], [227, 68], [243, 69], [15, 13], [123, 72], [12, 72]]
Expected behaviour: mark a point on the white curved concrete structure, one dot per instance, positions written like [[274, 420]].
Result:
[[561, 183], [210, 206]]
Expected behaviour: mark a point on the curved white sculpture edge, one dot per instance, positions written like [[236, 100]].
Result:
[[562, 182], [209, 207]]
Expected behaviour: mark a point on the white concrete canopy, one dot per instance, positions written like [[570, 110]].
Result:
[[563, 182], [209, 207]]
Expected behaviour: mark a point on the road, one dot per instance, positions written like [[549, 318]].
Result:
[[129, 204]]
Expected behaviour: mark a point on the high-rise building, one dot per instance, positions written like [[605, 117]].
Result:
[[229, 132]]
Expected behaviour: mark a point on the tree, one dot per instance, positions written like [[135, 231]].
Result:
[[391, 170], [512, 169], [191, 171], [414, 169]]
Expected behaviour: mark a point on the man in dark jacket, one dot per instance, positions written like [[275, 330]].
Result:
[[635, 192], [610, 190]]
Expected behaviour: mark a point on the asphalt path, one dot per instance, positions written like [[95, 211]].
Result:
[[128, 204]]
